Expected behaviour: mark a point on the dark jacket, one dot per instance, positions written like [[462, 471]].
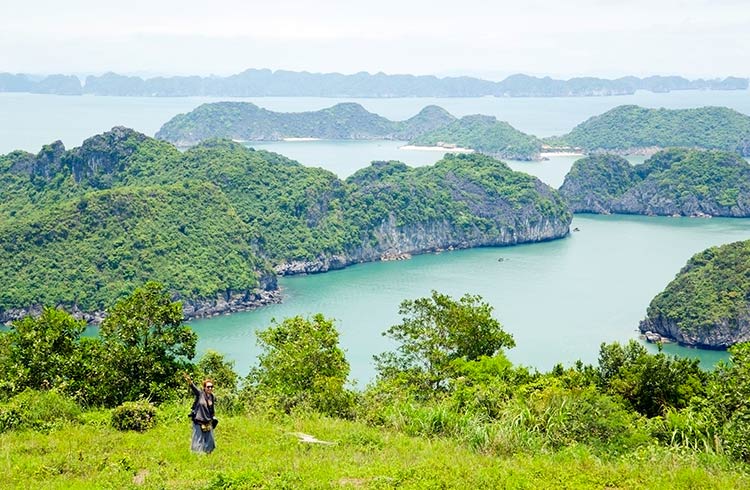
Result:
[[203, 405]]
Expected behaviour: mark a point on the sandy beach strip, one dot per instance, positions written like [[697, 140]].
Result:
[[300, 139], [436, 148], [561, 154]]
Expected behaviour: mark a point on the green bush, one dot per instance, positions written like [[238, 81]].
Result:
[[39, 410], [138, 416], [9, 418]]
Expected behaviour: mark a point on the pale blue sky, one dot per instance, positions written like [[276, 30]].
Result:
[[491, 39]]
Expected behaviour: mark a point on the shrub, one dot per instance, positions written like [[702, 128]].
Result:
[[9, 418], [39, 410], [736, 435], [138, 416]]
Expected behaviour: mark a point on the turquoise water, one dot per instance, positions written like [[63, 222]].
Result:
[[559, 299]]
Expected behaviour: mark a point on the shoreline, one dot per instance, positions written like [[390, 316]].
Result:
[[191, 309], [300, 139], [457, 149]]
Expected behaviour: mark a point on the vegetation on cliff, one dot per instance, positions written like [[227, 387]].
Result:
[[82, 227], [708, 302], [442, 412], [671, 182], [629, 127], [484, 134]]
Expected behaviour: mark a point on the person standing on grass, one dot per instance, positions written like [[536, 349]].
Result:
[[202, 415]]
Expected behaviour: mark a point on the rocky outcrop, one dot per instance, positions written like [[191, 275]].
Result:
[[229, 302], [393, 242], [721, 335]]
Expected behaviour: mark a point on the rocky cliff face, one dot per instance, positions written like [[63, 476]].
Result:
[[395, 242], [225, 303], [649, 198], [721, 335]]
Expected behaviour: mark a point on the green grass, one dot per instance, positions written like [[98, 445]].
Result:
[[257, 452]]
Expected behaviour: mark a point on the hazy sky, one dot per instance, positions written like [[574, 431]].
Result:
[[491, 39]]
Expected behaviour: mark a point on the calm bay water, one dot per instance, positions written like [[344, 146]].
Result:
[[560, 299], [31, 120]]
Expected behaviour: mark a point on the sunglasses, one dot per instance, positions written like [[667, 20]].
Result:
[[209, 386]]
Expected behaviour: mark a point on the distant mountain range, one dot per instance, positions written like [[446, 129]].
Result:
[[258, 83]]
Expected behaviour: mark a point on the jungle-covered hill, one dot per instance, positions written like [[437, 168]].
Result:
[[484, 134], [672, 182], [82, 227], [248, 122], [708, 302], [630, 128]]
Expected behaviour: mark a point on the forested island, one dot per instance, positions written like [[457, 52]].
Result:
[[266, 83], [708, 303], [631, 129], [622, 130], [680, 182], [80, 228], [484, 134], [246, 121]]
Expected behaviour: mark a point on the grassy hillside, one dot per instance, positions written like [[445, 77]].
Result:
[[255, 452]]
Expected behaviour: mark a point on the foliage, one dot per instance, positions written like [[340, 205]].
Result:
[[709, 294], [301, 366], [652, 384], [729, 392], [38, 410], [630, 127], [41, 352], [484, 134], [213, 366], [146, 344], [436, 331], [138, 416]]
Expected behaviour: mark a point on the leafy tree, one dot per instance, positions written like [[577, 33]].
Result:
[[41, 352], [651, 383], [436, 331], [213, 365], [301, 365], [146, 344]]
